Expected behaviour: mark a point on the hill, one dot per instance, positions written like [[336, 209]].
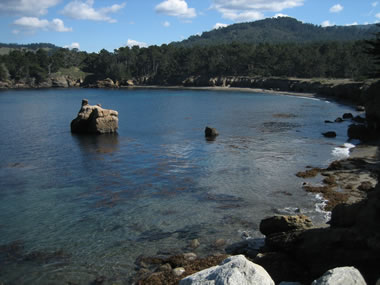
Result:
[[279, 30], [7, 48]]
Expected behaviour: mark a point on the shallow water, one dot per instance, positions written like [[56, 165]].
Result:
[[77, 207]]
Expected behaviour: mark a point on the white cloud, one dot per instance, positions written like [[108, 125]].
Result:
[[132, 43], [176, 8], [219, 26], [166, 24], [26, 7], [352, 24], [377, 15], [279, 15], [374, 4], [336, 8], [327, 23], [245, 10], [32, 24], [73, 46], [243, 16], [80, 10]]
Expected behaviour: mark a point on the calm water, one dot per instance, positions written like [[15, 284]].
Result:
[[77, 207]]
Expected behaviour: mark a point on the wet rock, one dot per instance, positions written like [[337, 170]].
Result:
[[211, 132], [190, 256], [341, 275], [247, 247], [94, 119], [235, 270], [339, 120], [347, 116], [165, 267], [282, 223], [328, 122], [195, 243], [310, 173], [178, 271], [329, 134], [219, 243], [359, 132]]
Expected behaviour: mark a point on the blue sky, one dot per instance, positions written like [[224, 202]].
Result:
[[91, 25]]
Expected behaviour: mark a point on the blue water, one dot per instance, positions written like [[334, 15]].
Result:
[[76, 207]]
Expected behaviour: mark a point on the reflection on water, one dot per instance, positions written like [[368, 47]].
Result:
[[103, 144], [76, 207]]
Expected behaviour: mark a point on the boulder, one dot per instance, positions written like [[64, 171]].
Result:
[[341, 276], [329, 134], [211, 132], [339, 120], [347, 116], [94, 119], [106, 83], [235, 270], [279, 224], [59, 82]]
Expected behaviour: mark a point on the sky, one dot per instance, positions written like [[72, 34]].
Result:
[[92, 25]]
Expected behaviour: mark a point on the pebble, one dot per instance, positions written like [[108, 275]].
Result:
[[190, 256], [178, 271]]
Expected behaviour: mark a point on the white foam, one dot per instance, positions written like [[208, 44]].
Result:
[[320, 205], [342, 152]]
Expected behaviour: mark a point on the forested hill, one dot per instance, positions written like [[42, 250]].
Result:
[[279, 30], [6, 48]]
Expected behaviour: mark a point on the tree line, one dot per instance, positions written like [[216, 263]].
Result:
[[171, 64]]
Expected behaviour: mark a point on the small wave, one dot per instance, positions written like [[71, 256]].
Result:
[[342, 152], [320, 206]]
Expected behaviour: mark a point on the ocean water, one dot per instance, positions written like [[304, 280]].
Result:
[[73, 207]]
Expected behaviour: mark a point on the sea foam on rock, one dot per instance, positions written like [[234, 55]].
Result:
[[94, 119], [235, 270]]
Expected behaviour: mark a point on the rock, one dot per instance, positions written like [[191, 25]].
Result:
[[94, 119], [339, 120], [165, 267], [106, 83], [219, 243], [195, 243], [279, 224], [365, 186], [341, 276], [235, 270], [347, 116], [211, 132], [178, 271], [329, 134], [359, 132], [190, 256], [360, 108], [328, 122], [59, 82]]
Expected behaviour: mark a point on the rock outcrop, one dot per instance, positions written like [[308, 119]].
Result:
[[94, 119], [235, 270], [341, 276], [352, 239], [283, 223]]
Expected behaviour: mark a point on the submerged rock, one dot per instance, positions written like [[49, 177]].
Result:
[[234, 270], [94, 119], [347, 116], [341, 276]]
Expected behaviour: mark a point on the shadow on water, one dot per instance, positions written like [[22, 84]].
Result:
[[101, 144]]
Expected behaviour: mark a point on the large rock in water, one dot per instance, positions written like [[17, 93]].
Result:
[[94, 119], [341, 276], [277, 224], [235, 270]]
